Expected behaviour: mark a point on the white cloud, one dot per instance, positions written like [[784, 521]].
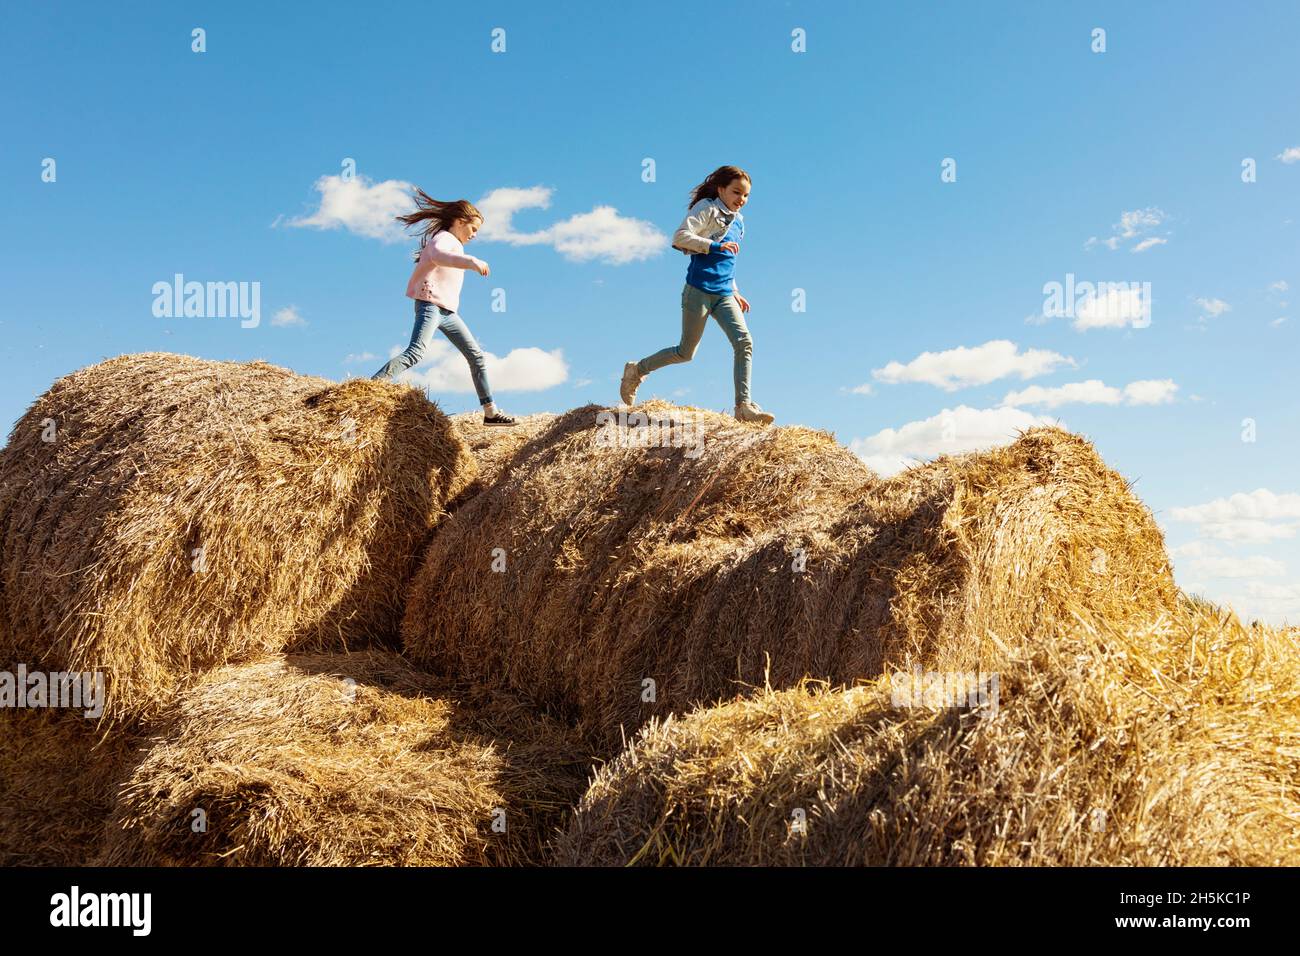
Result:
[[360, 206], [605, 235], [1194, 549], [1247, 531], [1212, 308], [1091, 392], [443, 369], [1285, 592], [1095, 392], [1273, 603], [499, 207], [1278, 321], [952, 431], [1113, 308], [1253, 517], [1199, 560], [288, 316], [1289, 155], [962, 366], [599, 234], [1112, 243], [369, 209], [1270, 602], [1254, 566], [1260, 503], [864, 389], [1279, 286], [353, 357], [1132, 223], [1137, 221], [1155, 391]]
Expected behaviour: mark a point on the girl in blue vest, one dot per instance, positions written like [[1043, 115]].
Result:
[[710, 234]]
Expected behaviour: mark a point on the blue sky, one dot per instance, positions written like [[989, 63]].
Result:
[[1122, 166]]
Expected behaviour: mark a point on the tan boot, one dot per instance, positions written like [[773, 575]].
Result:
[[632, 380], [749, 412]]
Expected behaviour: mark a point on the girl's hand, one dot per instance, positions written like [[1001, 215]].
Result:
[[732, 247], [481, 267], [744, 303]]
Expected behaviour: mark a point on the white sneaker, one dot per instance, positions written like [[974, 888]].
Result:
[[632, 380], [749, 412]]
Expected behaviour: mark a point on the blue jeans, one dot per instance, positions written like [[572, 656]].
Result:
[[697, 306], [452, 326]]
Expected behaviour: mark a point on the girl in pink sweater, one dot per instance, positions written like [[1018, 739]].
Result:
[[435, 285]]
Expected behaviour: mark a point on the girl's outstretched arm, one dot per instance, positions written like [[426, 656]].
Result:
[[445, 257]]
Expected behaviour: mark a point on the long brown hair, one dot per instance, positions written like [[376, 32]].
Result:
[[437, 215], [720, 178]]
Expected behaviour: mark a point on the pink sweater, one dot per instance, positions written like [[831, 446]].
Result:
[[440, 271]]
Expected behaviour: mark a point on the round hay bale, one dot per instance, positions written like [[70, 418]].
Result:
[[162, 514], [613, 583], [1003, 545], [58, 782], [345, 760], [1173, 745]]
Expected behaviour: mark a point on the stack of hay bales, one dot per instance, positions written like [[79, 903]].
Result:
[[161, 515], [1176, 743], [637, 580], [345, 760], [221, 539]]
